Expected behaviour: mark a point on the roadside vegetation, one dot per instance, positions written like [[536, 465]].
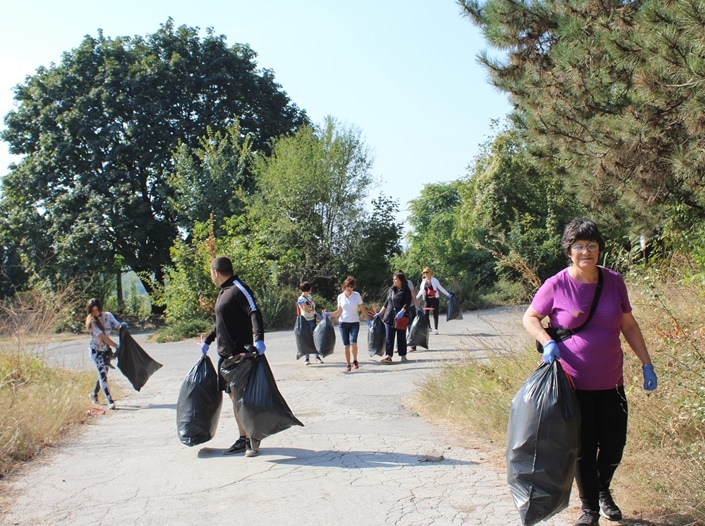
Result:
[[38, 402], [663, 469]]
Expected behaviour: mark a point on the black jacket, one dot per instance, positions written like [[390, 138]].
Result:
[[236, 319], [396, 300]]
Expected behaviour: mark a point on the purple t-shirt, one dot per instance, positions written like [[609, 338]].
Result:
[[593, 357]]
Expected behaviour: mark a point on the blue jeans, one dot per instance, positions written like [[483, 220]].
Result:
[[349, 332]]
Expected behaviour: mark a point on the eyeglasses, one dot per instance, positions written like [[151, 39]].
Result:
[[580, 249]]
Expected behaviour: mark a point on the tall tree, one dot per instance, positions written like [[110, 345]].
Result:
[[97, 133], [312, 193], [612, 92]]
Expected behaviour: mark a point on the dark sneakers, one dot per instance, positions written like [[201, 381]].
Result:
[[239, 445], [589, 518], [609, 509]]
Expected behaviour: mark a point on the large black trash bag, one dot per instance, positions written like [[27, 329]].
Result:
[[543, 440], [418, 334], [324, 337], [453, 311], [376, 338], [304, 338], [260, 406], [134, 362], [199, 403]]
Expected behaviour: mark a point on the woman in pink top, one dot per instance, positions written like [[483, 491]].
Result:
[[593, 357]]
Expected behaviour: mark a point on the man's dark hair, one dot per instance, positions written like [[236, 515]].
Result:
[[305, 286], [223, 266], [580, 229]]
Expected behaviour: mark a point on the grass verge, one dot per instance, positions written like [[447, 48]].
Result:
[[37, 404]]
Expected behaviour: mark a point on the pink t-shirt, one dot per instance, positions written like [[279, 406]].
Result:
[[593, 357]]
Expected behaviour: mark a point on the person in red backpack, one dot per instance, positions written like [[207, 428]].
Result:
[[429, 288]]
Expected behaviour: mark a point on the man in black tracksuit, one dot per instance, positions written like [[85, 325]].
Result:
[[237, 322]]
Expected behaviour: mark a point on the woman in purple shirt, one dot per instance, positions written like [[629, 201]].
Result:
[[593, 357]]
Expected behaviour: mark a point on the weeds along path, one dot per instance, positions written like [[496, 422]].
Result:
[[362, 458]]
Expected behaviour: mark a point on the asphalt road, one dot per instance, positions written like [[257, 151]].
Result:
[[362, 458]]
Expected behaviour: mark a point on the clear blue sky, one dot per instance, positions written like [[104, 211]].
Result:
[[403, 72]]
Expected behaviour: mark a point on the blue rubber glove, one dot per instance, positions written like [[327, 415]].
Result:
[[261, 347], [369, 323], [123, 325], [204, 348], [650, 380], [400, 314], [326, 315], [419, 310], [551, 352], [376, 315]]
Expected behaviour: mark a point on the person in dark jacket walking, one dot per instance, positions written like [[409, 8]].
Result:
[[237, 322], [394, 314]]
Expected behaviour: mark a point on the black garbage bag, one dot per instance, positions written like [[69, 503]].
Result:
[[260, 406], [376, 338], [543, 440], [453, 311], [418, 334], [324, 337], [199, 403], [304, 338], [134, 362]]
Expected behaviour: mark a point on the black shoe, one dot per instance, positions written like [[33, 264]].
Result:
[[609, 509], [239, 445], [589, 518]]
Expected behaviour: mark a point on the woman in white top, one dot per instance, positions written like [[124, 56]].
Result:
[[99, 324], [349, 302], [429, 290]]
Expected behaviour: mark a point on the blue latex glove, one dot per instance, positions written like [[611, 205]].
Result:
[[419, 310], [376, 315], [551, 352], [123, 325], [261, 347], [650, 380], [400, 314], [326, 315], [369, 323], [204, 348]]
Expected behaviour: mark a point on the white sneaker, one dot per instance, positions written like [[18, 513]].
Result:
[[435, 331], [93, 397], [111, 405]]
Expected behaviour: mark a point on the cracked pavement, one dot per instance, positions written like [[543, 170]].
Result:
[[363, 457]]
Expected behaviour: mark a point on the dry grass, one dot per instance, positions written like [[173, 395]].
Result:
[[663, 470], [37, 402]]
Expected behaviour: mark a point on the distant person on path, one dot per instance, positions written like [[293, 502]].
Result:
[[237, 321], [99, 324], [412, 312], [593, 358], [349, 303], [429, 288], [307, 309], [397, 304]]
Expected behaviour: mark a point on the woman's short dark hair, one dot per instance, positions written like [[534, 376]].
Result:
[[305, 286], [580, 229], [349, 281]]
